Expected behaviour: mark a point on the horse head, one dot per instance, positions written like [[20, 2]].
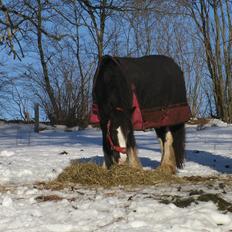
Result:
[[119, 134]]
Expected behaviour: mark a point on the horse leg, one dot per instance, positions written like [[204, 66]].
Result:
[[132, 156], [108, 161], [178, 133], [121, 143], [168, 160], [133, 159], [160, 132]]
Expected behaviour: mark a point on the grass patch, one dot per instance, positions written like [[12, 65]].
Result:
[[89, 174]]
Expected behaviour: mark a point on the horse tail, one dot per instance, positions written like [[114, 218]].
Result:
[[178, 133]]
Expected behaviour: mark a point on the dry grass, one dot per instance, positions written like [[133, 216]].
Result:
[[89, 174], [93, 175]]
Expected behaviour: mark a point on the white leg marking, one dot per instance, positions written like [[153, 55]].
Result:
[[122, 143], [169, 138], [133, 158], [168, 158]]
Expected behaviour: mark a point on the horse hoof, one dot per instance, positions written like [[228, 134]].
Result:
[[137, 165], [104, 165], [167, 169], [122, 159]]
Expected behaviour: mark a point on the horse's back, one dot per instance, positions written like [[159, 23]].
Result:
[[158, 80]]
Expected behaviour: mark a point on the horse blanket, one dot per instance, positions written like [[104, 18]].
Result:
[[159, 94]]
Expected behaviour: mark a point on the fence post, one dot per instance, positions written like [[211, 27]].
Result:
[[36, 109]]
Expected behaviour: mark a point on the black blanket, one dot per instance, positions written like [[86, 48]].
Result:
[[158, 84], [158, 81]]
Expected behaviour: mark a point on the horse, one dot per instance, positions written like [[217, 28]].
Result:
[[137, 94]]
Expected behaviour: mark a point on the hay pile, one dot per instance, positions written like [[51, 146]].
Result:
[[89, 174]]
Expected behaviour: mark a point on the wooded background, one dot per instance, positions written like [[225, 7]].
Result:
[[50, 50]]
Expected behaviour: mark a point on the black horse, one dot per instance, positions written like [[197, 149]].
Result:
[[140, 93]]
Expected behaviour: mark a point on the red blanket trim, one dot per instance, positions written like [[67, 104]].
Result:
[[137, 116], [93, 117], [152, 118], [166, 117]]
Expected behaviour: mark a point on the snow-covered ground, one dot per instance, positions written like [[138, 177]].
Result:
[[26, 158]]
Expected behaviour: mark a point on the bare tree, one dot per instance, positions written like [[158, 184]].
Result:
[[213, 19], [94, 17], [68, 38], [5, 83], [30, 18], [9, 28]]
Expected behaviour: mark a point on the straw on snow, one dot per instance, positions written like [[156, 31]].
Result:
[[90, 174]]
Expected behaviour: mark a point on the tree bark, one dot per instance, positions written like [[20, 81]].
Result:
[[48, 87]]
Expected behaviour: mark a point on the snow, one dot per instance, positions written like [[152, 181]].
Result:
[[27, 157]]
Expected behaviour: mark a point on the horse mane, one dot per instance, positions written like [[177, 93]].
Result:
[[111, 85]]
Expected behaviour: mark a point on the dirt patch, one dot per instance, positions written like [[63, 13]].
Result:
[[222, 204], [48, 198], [183, 202], [216, 182], [3, 189]]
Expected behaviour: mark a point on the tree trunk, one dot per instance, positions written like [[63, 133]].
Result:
[[56, 117]]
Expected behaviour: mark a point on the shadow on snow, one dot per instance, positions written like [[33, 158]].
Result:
[[217, 162]]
